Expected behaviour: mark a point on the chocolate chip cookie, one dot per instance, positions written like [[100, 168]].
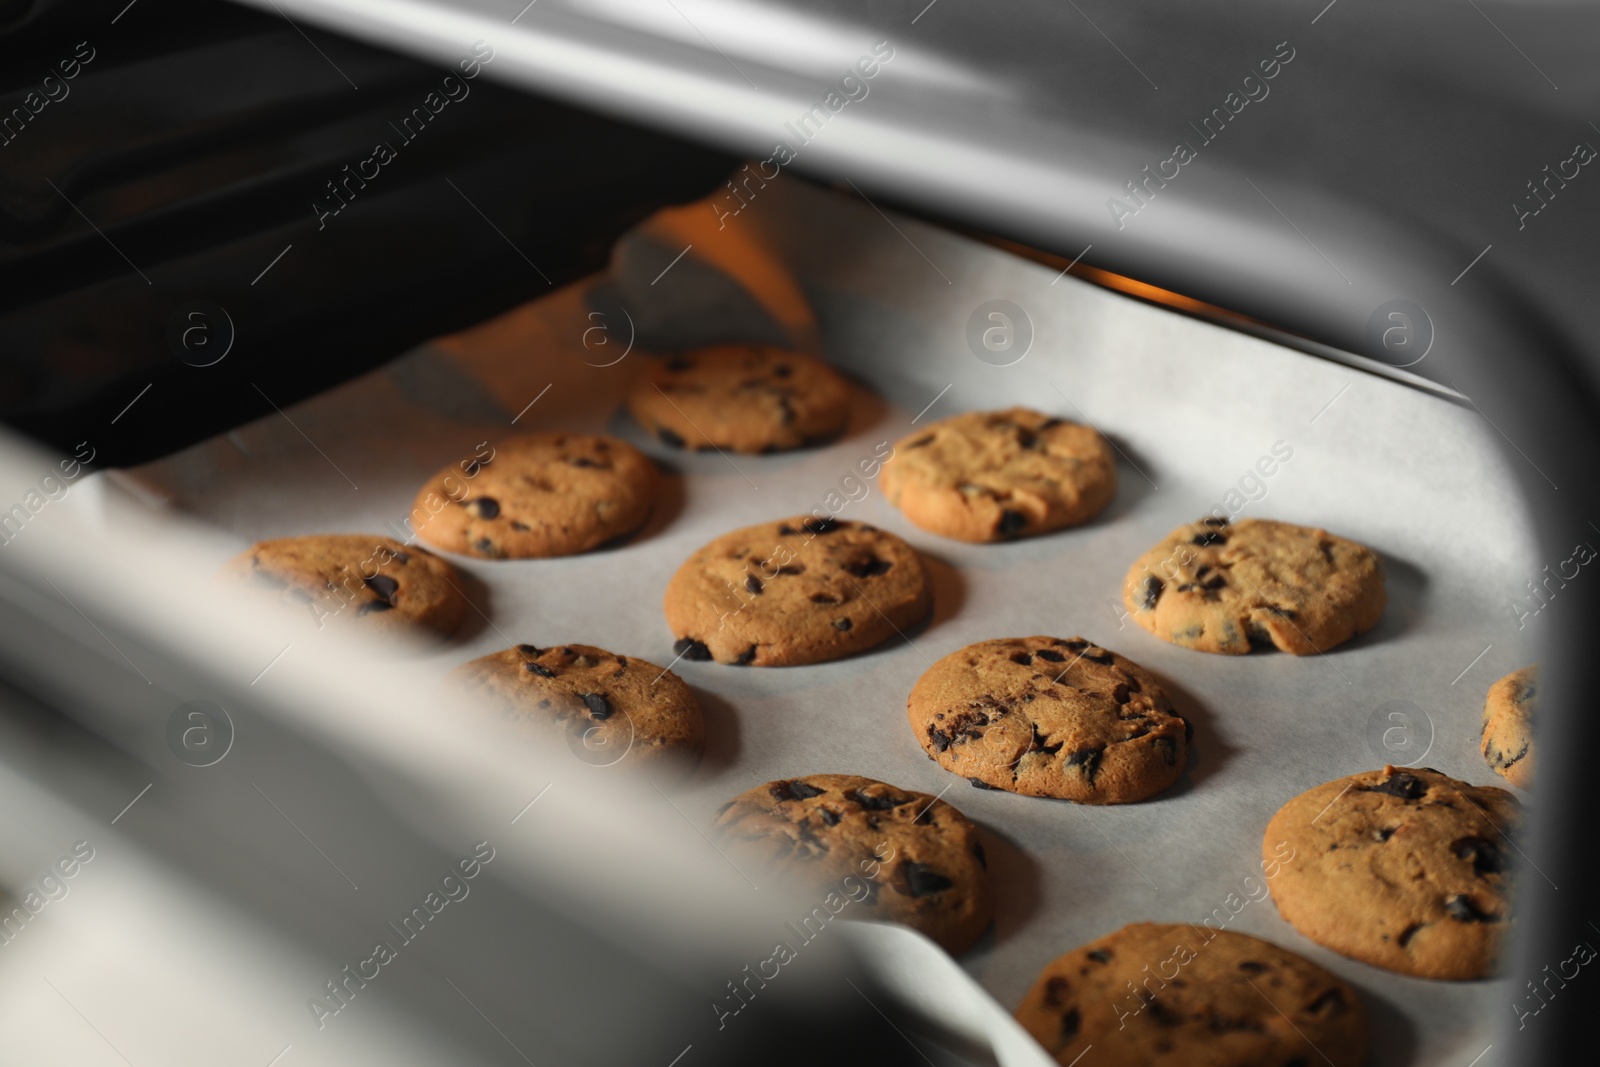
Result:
[[1156, 995], [610, 708], [1216, 587], [1049, 717], [801, 590], [997, 475], [1409, 870], [376, 581], [1508, 726], [545, 494], [880, 852], [742, 398]]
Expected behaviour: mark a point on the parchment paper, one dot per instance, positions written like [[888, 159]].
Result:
[[1192, 409]]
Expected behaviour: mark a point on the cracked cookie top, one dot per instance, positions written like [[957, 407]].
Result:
[[997, 475], [1405, 869], [1158, 995], [1049, 717], [743, 398], [1216, 587], [802, 590], [543, 494], [900, 856]]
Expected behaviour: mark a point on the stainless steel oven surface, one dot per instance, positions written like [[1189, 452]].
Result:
[[270, 267]]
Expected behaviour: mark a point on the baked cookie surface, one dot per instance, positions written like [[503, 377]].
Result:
[[375, 581], [543, 494], [742, 398], [1405, 869], [610, 708], [802, 590], [1507, 741], [914, 859], [1049, 717], [998, 475], [1216, 587], [1157, 995]]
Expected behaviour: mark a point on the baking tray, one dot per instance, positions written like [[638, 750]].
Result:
[[1192, 409]]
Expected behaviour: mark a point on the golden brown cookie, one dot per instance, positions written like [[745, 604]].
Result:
[[1049, 717], [1507, 741], [545, 494], [383, 585], [1157, 995], [802, 590], [610, 708], [1214, 587], [1408, 870], [996, 475], [742, 398], [880, 852]]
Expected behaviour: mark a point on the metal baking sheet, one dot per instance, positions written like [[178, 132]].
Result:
[[1199, 414]]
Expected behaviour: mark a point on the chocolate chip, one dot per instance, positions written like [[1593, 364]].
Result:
[[1188, 729], [784, 530], [599, 706], [1215, 582], [1024, 658], [923, 880], [485, 507], [669, 438], [1049, 424], [1099, 655], [1408, 933], [374, 605], [744, 658], [875, 803], [1462, 909], [1214, 520], [540, 669], [1169, 750], [484, 545], [1050, 654], [1011, 523], [1485, 855], [401, 557], [869, 568], [1282, 613], [842, 624], [795, 790], [1209, 538], [585, 461], [689, 648], [1252, 966], [829, 816], [1088, 759], [752, 583], [1383, 833], [979, 783], [1055, 991], [1152, 591], [1100, 955], [383, 585], [820, 526], [521, 527], [1026, 438], [1120, 694], [678, 365], [824, 598], [782, 370], [1405, 786], [921, 441], [529, 650], [977, 846], [1070, 1021], [1331, 1000], [793, 568]]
